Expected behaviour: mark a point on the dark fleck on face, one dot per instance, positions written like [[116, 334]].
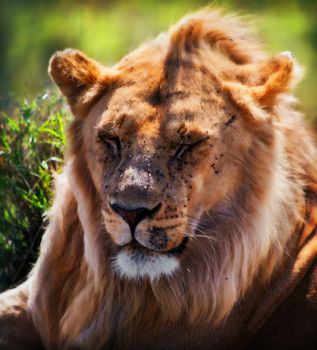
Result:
[[158, 238]]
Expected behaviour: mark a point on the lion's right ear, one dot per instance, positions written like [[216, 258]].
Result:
[[80, 79]]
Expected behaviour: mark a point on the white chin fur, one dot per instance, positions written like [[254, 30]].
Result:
[[138, 266]]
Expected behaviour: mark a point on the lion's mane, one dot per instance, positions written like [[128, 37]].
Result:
[[74, 295]]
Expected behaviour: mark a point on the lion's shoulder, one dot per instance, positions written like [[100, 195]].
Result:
[[293, 295], [16, 328], [294, 322]]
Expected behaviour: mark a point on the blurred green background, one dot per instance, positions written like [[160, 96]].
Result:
[[32, 116], [31, 30]]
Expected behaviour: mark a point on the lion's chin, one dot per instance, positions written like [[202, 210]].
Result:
[[139, 263], [134, 261]]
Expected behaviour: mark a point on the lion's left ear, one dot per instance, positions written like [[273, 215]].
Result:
[[275, 76], [259, 84], [80, 79]]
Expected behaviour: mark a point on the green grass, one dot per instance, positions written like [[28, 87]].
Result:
[[32, 140]]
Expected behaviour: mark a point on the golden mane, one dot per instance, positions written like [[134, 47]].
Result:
[[74, 296]]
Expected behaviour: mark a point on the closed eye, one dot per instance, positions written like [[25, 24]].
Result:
[[185, 148], [112, 141]]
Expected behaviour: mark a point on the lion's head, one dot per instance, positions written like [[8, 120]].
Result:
[[178, 165], [165, 138]]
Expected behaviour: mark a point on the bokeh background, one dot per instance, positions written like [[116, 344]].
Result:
[[31, 30], [32, 116]]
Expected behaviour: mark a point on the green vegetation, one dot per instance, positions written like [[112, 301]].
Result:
[[31, 147], [31, 30], [32, 134]]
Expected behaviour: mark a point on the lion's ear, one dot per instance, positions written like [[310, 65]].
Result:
[[80, 79], [259, 84], [275, 76]]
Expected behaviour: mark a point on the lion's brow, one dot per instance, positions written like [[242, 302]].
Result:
[[177, 93], [110, 128], [158, 95]]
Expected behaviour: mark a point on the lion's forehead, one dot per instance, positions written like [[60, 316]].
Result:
[[147, 85], [146, 105], [131, 113]]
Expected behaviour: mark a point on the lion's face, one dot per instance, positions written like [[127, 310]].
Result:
[[166, 134], [160, 157]]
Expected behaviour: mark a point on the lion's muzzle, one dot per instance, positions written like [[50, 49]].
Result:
[[133, 216]]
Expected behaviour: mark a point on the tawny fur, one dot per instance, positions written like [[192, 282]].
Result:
[[245, 205]]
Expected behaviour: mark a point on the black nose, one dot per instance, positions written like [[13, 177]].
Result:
[[133, 216]]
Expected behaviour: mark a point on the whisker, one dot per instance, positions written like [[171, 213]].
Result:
[[202, 234]]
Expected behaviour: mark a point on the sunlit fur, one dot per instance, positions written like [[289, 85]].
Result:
[[238, 199]]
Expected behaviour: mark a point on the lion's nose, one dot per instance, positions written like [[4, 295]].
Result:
[[133, 216]]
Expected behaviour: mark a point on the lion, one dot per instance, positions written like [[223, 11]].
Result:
[[185, 216]]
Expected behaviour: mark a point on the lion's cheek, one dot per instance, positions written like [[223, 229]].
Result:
[[201, 187], [209, 187], [96, 172]]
